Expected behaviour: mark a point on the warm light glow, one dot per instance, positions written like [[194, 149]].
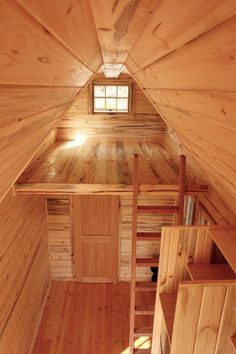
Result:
[[78, 141], [140, 343]]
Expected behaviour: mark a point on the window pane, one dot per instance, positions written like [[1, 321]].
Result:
[[111, 104], [99, 91], [122, 104], [99, 103], [123, 91], [111, 91]]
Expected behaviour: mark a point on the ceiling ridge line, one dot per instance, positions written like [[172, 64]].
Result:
[[141, 31], [48, 31]]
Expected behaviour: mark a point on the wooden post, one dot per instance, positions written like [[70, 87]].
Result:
[[182, 172]]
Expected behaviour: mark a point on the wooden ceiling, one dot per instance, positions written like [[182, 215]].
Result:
[[43, 65], [187, 66], [182, 54], [118, 24]]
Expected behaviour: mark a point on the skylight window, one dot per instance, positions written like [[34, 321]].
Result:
[[111, 98]]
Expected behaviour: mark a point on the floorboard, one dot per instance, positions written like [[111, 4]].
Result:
[[102, 162], [89, 319]]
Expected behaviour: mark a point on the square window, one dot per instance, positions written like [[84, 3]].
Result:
[[111, 98]]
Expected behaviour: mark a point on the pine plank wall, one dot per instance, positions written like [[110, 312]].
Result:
[[24, 270]]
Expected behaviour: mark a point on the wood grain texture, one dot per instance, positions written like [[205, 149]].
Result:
[[31, 56], [118, 25], [102, 162], [60, 229], [193, 90], [166, 32], [96, 236], [180, 246], [225, 239], [190, 65], [27, 116], [31, 63], [201, 322], [60, 236], [78, 26], [88, 318], [21, 140], [26, 101], [146, 223], [204, 123], [202, 308], [25, 270], [213, 208], [142, 122]]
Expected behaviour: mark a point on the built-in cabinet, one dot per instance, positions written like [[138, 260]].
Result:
[[195, 309]]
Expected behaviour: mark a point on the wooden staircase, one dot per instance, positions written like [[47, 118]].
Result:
[[144, 286]]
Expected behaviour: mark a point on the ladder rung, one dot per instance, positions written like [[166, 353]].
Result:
[[148, 236], [166, 209], [145, 286], [143, 331], [144, 310], [147, 262], [142, 351]]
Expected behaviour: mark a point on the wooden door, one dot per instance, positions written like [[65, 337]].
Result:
[[96, 232]]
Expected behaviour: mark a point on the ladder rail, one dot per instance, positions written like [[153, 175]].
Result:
[[134, 252], [178, 211]]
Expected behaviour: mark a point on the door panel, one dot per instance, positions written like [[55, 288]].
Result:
[[96, 232]]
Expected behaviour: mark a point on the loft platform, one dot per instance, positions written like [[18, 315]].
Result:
[[102, 167]]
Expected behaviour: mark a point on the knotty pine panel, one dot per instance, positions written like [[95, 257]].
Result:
[[193, 89], [118, 26], [143, 122], [213, 201], [32, 55], [24, 270], [102, 162], [60, 236], [206, 63], [78, 26], [146, 223], [20, 140], [165, 32], [17, 103]]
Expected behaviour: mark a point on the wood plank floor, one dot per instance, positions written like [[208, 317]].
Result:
[[89, 319], [102, 162]]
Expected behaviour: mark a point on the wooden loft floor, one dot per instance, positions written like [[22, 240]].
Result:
[[103, 166], [89, 319]]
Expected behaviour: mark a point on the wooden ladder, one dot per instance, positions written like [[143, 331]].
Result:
[[136, 286]]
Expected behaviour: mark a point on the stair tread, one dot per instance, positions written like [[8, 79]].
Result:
[[148, 236], [147, 262], [163, 209], [142, 351], [142, 331], [145, 286], [144, 309], [144, 306]]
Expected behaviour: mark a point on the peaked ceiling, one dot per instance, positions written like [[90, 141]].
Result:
[[182, 53]]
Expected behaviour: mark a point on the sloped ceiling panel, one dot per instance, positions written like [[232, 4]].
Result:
[[188, 70], [119, 23], [39, 77], [71, 22]]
